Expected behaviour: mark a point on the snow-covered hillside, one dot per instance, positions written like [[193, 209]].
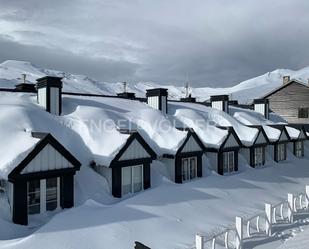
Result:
[[10, 74]]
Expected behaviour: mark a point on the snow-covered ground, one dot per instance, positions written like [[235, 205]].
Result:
[[168, 215], [245, 91]]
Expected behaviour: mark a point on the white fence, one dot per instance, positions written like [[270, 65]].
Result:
[[255, 226]]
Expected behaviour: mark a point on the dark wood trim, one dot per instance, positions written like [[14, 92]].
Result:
[[116, 182], [48, 139], [195, 137], [147, 175], [20, 203], [67, 191], [140, 139], [43, 174], [156, 92], [231, 131]]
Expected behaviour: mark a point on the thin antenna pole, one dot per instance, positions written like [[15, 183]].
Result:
[[187, 86], [124, 87], [24, 78]]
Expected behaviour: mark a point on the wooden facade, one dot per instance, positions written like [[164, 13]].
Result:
[[288, 99], [186, 160], [49, 162], [134, 155]]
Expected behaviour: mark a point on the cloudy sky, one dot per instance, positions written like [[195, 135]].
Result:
[[216, 43]]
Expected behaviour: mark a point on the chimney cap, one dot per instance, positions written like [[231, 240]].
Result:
[[260, 101], [49, 81], [219, 98], [156, 92]]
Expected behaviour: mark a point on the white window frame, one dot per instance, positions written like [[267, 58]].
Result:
[[258, 158], [187, 173], [43, 195], [281, 151], [299, 148], [228, 157], [132, 178]]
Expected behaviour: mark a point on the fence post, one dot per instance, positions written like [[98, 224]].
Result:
[[269, 218], [307, 197], [239, 232], [291, 207], [199, 241]]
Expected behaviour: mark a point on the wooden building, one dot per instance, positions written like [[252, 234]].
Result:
[[186, 164], [224, 159], [278, 149], [256, 154], [42, 181], [290, 101], [129, 171]]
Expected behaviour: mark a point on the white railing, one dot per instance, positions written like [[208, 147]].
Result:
[[257, 225]]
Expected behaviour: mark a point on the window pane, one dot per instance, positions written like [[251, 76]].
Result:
[[225, 162], [51, 194], [34, 197], [126, 180], [193, 167], [231, 161], [185, 170], [138, 178]]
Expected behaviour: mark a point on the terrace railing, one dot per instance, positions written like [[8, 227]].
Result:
[[259, 225]]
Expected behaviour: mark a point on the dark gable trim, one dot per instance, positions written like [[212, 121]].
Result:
[[261, 130], [44, 174], [282, 87], [48, 139], [231, 131], [191, 133], [116, 163]]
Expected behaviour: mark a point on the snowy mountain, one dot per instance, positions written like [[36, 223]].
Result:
[[10, 74]]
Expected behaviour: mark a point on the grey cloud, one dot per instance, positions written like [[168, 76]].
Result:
[[218, 43]]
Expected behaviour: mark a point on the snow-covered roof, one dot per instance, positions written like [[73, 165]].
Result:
[[204, 120], [89, 127]]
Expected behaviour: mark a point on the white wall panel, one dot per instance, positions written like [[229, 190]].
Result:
[[260, 108], [42, 97], [153, 102], [283, 137], [54, 100], [231, 142], [134, 151], [260, 139], [217, 105], [47, 159], [191, 146]]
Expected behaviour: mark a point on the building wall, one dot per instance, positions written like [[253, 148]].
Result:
[[245, 152], [286, 102], [213, 160], [170, 165]]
